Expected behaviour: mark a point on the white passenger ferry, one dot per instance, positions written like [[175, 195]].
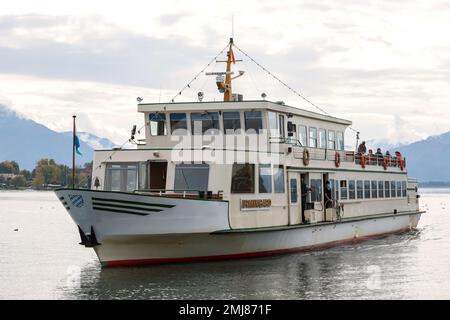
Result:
[[234, 179]]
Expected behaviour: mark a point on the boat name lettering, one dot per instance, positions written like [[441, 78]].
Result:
[[254, 204]]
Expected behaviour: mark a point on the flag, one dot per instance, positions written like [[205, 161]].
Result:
[[232, 56], [77, 145]]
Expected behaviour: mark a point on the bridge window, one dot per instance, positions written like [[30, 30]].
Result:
[[313, 137], [344, 190], [205, 123], [178, 123], [322, 139], [303, 135], [253, 121], [281, 125], [231, 122], [331, 140], [158, 124], [359, 189], [374, 189], [340, 140], [243, 178], [399, 189], [278, 179], [403, 188], [265, 178], [121, 177], [191, 177], [351, 189]]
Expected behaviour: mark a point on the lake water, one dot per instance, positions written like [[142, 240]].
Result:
[[40, 259]]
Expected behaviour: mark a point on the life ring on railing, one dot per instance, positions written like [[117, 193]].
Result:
[[401, 164], [363, 161], [305, 157], [385, 163], [337, 159]]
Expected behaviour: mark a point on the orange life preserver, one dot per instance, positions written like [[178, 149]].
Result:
[[305, 157], [337, 159], [401, 164], [363, 161], [385, 163]]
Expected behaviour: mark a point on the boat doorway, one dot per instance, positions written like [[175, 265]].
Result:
[[157, 175], [294, 198]]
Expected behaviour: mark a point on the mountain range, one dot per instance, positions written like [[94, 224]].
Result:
[[27, 141]]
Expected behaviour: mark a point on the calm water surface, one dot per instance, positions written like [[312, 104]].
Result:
[[40, 259]]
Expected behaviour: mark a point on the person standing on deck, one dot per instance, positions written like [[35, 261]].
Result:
[[362, 148], [304, 193], [328, 195]]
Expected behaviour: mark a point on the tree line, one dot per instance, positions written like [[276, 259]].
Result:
[[47, 174]]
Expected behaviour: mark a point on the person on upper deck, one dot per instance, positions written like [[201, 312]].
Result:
[[379, 154], [362, 148]]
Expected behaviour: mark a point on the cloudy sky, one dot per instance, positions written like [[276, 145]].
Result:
[[385, 65]]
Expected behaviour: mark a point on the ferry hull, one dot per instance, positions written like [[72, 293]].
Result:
[[140, 250], [186, 230]]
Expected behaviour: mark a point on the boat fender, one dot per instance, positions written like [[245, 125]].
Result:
[[401, 164], [363, 161], [337, 159], [305, 157], [385, 163]]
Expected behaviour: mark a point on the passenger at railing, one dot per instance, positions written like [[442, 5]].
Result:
[[379, 156], [362, 148], [389, 157], [398, 156], [328, 195], [371, 157]]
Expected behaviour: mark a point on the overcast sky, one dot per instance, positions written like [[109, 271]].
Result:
[[385, 65]]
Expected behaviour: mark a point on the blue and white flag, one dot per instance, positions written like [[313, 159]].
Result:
[[77, 145]]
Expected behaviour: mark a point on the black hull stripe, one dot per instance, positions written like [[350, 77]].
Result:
[[135, 202], [125, 207], [121, 211]]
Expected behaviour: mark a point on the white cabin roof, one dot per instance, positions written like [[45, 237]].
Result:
[[237, 105]]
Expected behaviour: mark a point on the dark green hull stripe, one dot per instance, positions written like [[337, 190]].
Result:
[[124, 207], [121, 211], [136, 202]]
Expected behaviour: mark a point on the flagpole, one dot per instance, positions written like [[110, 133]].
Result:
[[73, 153]]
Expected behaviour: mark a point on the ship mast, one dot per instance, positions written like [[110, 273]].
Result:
[[227, 95]]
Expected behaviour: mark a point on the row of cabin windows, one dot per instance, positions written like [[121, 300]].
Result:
[[270, 178], [205, 122], [208, 123], [368, 189]]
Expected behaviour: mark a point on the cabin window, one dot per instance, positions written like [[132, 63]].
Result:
[[374, 189], [303, 135], [292, 130], [143, 180], [351, 189], [157, 124], [344, 190], [178, 123], [231, 122], [322, 139], [205, 123], [359, 189], [331, 140], [121, 177], [387, 189], [403, 188], [380, 189], [336, 189], [392, 189], [399, 189], [278, 179], [367, 189], [243, 178], [281, 125], [294, 192], [316, 190], [253, 121], [313, 137], [191, 177], [265, 178], [273, 123], [340, 140]]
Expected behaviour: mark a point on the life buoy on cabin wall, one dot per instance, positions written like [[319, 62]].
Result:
[[305, 157], [337, 159], [385, 163]]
